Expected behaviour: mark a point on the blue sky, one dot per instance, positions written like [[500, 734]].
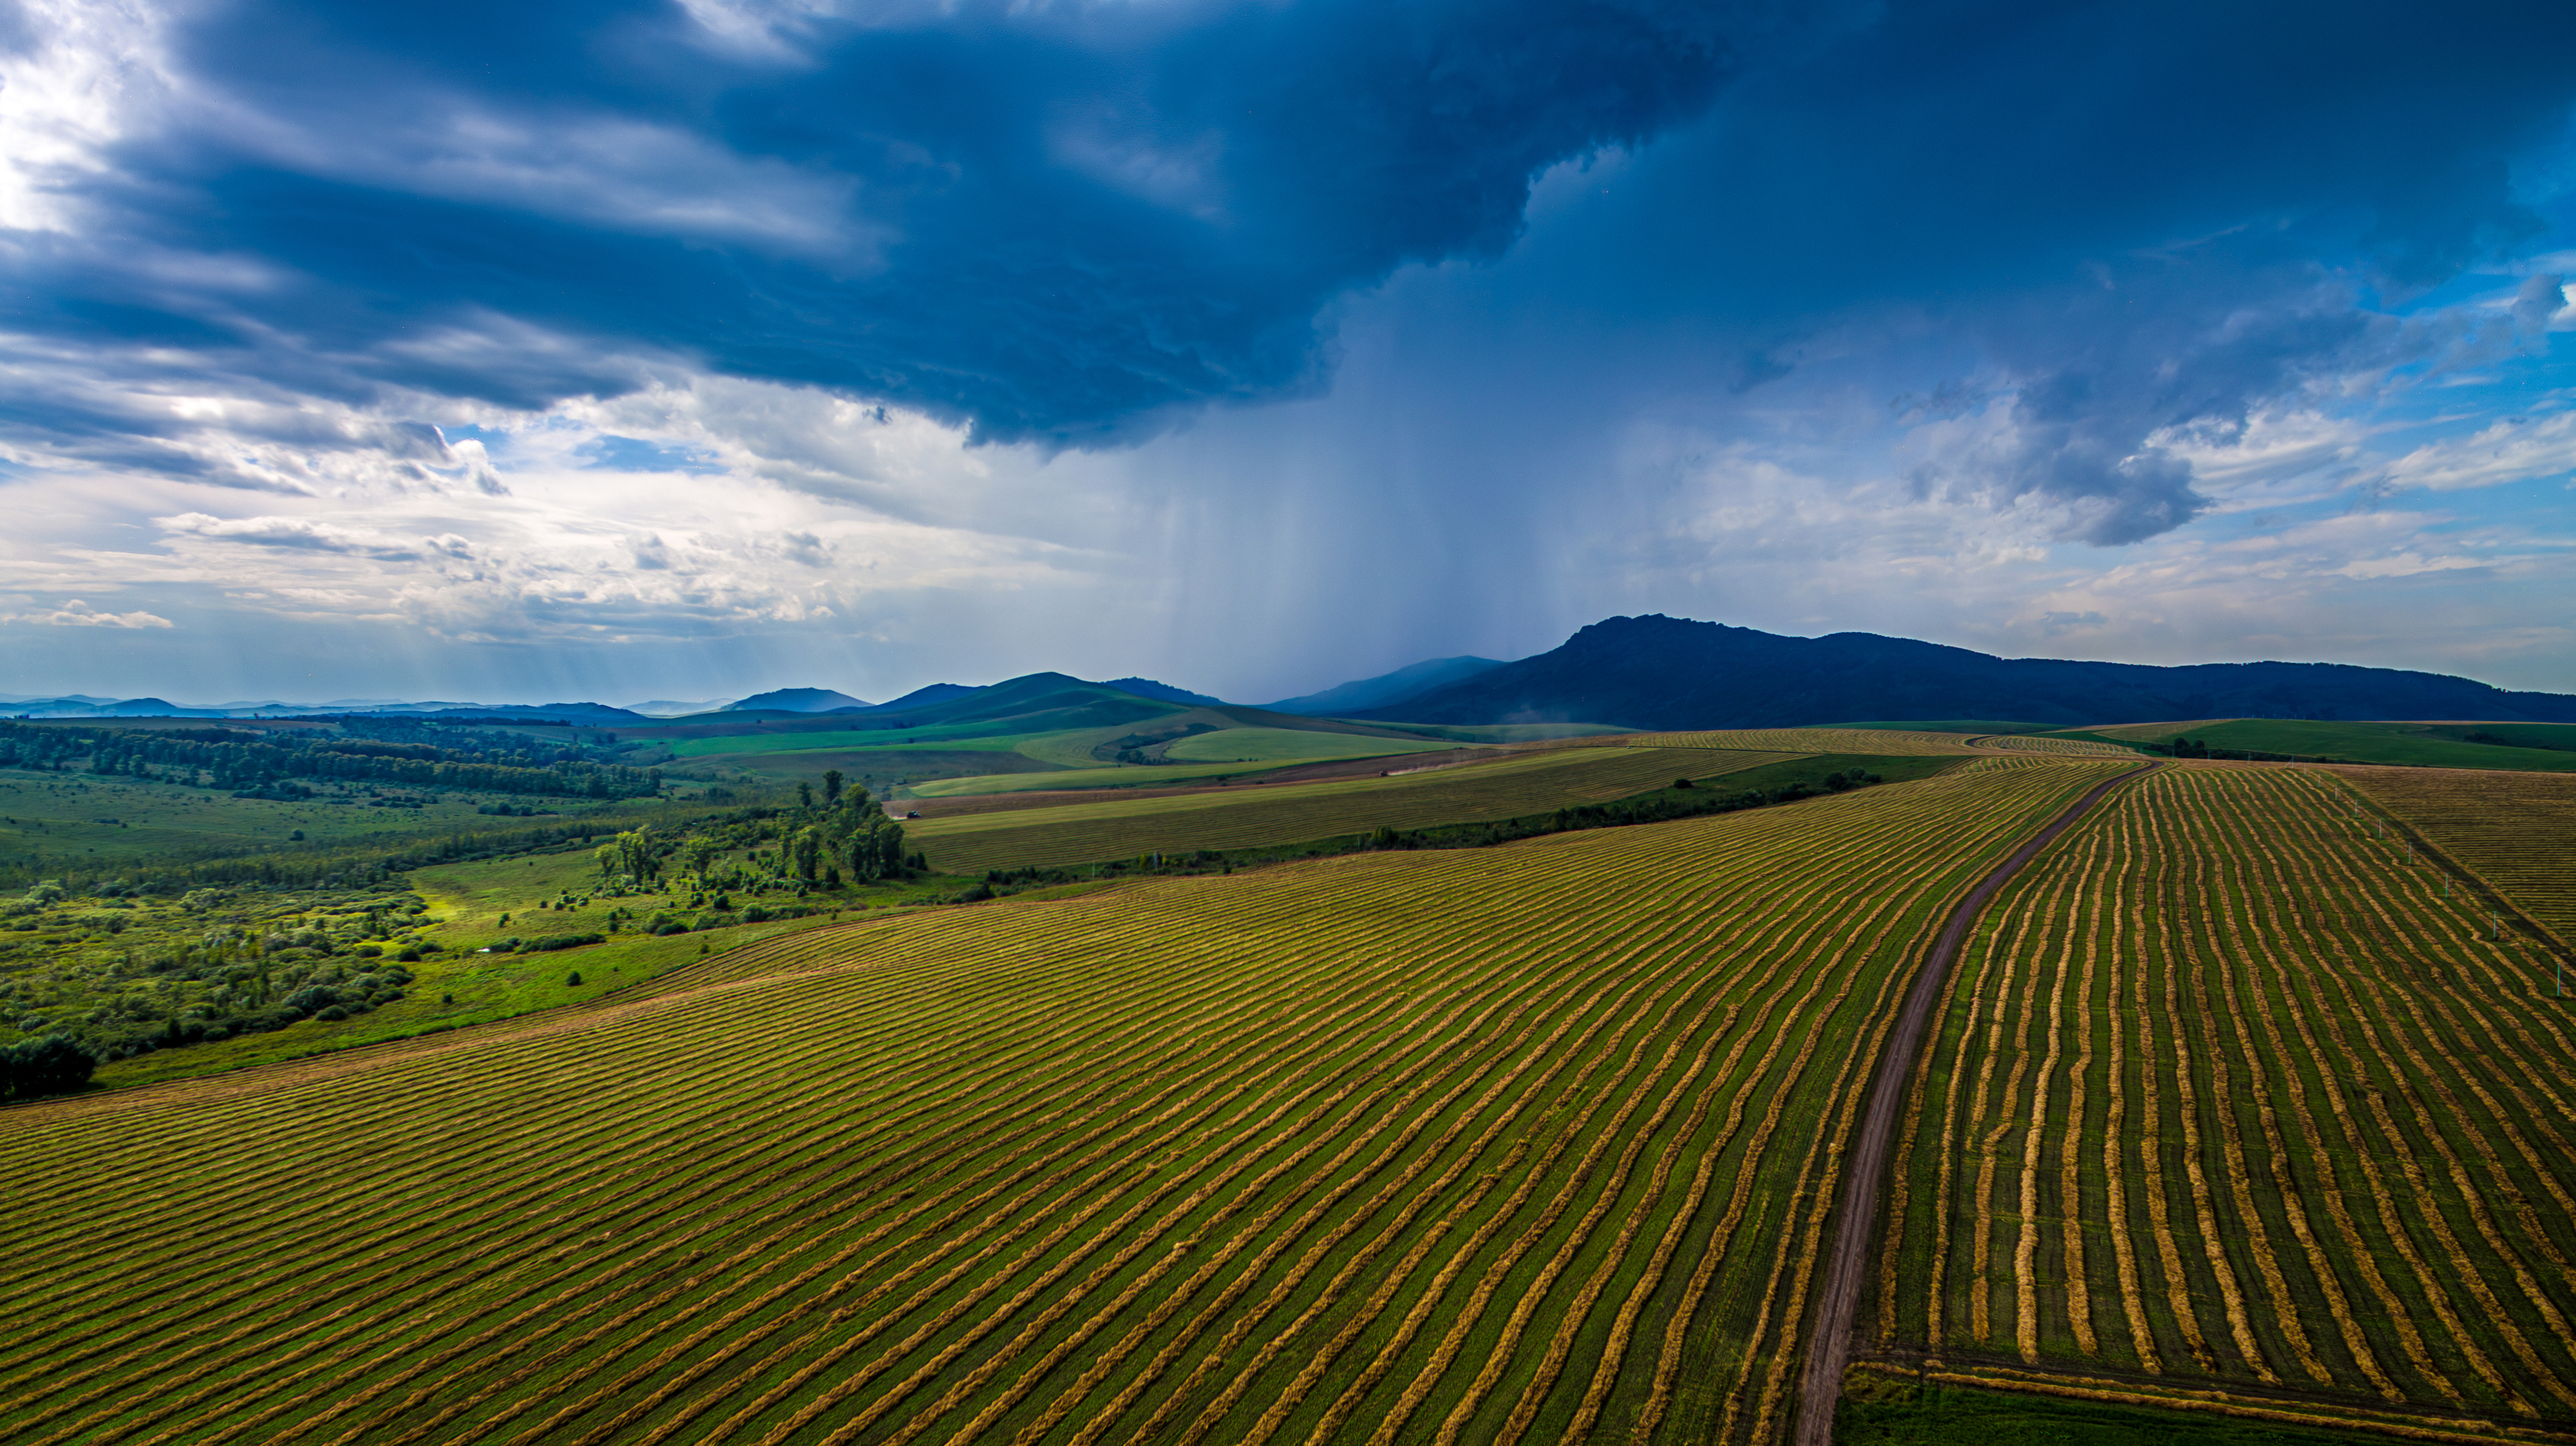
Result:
[[681, 350]]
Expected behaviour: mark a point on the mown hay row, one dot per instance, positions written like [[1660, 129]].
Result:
[[1023, 1168], [2368, 1093]]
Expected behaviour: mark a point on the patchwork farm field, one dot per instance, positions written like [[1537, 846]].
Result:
[[1532, 1143], [1275, 814], [2234, 1102], [2527, 747]]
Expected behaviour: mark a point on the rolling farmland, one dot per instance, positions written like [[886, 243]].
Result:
[[1522, 1144], [1270, 814], [2232, 1106], [1810, 740]]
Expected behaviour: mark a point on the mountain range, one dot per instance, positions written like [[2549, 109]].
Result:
[[1657, 672], [1651, 672]]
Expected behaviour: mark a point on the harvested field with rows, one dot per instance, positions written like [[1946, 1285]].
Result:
[[1534, 1143], [1810, 740], [2043, 743], [1251, 817], [2232, 1103], [2517, 831]]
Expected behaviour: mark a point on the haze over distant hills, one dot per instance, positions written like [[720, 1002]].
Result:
[[1385, 688], [798, 700], [1657, 672], [1651, 672]]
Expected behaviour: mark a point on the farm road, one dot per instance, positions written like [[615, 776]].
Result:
[[1830, 1348]]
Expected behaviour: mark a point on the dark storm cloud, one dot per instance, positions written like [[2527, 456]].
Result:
[[1046, 224], [2128, 220], [1072, 224]]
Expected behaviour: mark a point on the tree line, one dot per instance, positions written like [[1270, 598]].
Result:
[[247, 761]]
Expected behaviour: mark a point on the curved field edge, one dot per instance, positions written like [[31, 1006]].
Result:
[[1508, 1144]]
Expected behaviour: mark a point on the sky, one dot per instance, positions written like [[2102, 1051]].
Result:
[[624, 351]]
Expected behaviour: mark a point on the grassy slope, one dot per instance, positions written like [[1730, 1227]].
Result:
[[874, 741], [1541, 1133], [1281, 745], [2342, 1165], [457, 985], [2426, 745], [1254, 816], [982, 764], [56, 815]]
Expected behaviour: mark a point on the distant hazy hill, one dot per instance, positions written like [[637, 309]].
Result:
[[1386, 688], [1660, 672], [797, 700], [924, 697], [77, 706], [1148, 688]]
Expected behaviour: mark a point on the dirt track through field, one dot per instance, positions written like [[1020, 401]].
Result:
[[1830, 1350]]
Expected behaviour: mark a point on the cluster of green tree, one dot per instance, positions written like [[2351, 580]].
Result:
[[272, 765], [547, 944], [2480, 735], [53, 1065], [124, 971], [818, 844], [718, 913]]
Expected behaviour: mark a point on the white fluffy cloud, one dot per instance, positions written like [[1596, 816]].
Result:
[[2517, 449], [79, 614]]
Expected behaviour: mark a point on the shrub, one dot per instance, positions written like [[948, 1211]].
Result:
[[53, 1065], [573, 979], [334, 1014], [563, 941], [311, 999]]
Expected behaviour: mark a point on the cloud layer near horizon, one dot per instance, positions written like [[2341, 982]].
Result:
[[860, 344]]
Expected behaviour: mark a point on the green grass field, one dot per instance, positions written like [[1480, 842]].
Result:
[[925, 740], [2423, 745], [1525, 1144], [1283, 745], [1005, 762], [1253, 817], [82, 821], [2233, 1093]]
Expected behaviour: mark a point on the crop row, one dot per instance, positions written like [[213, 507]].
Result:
[[2230, 1087], [1512, 1146], [2516, 830], [1254, 816]]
